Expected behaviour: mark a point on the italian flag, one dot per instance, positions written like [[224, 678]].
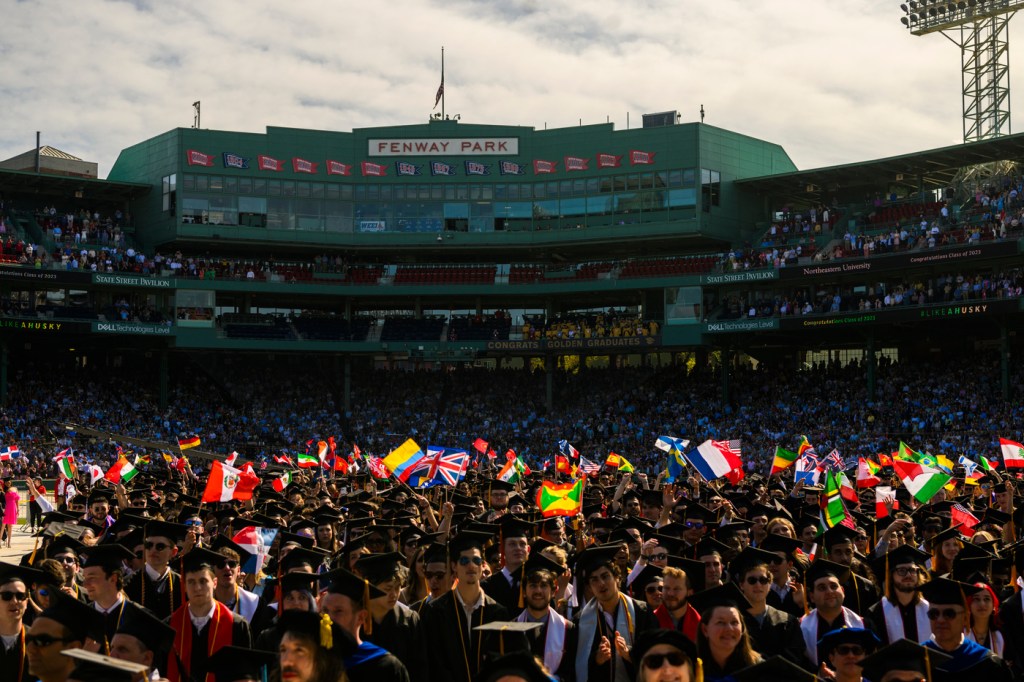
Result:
[[66, 466], [282, 481], [121, 472], [1013, 453], [228, 483], [922, 481], [560, 499]]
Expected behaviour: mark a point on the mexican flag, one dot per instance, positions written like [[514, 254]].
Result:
[[282, 481], [560, 499], [922, 481], [228, 483], [1013, 453], [122, 471]]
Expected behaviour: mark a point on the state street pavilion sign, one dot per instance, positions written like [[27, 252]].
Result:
[[443, 146]]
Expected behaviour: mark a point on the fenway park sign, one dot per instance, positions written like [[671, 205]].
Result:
[[443, 146]]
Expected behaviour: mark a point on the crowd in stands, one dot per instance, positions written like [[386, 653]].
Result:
[[947, 405], [950, 287], [611, 324]]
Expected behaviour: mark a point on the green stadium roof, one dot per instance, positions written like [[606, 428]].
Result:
[[48, 184]]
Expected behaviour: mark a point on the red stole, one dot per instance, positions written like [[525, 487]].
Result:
[[688, 625], [220, 636]]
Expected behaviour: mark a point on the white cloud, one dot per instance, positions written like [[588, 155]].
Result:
[[833, 82]]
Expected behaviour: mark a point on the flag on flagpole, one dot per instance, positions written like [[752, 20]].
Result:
[[122, 471], [671, 444], [588, 467], [833, 511], [481, 446], [806, 470], [867, 473], [402, 459], [969, 466], [566, 448], [783, 460], [308, 460], [714, 459], [66, 464], [256, 541], [440, 88], [227, 483], [884, 497], [616, 461], [562, 464], [922, 481], [188, 443], [509, 473], [10, 452], [846, 489], [805, 448], [676, 466], [1013, 453], [95, 474], [560, 499], [231, 459]]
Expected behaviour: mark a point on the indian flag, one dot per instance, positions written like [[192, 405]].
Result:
[[560, 499], [1013, 453], [510, 472], [122, 471], [922, 481]]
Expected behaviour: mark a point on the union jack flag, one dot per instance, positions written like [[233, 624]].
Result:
[[441, 466], [833, 461]]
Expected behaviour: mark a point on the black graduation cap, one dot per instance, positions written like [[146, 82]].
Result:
[[946, 591], [749, 557], [708, 546], [435, 553], [92, 667], [649, 573], [175, 532], [496, 484], [515, 527], [140, 623], [303, 541], [904, 554], [653, 498], [27, 575], [303, 524], [298, 580], [62, 544], [775, 669], [538, 562], [694, 570], [321, 629], [468, 539], [903, 655], [734, 526], [223, 542], [99, 495], [838, 535], [359, 590], [58, 517], [780, 543], [518, 665], [592, 558], [973, 551], [648, 639], [301, 556], [965, 567], [723, 595], [108, 557], [822, 568], [82, 619], [698, 511], [198, 558], [378, 568], [995, 516], [234, 663]]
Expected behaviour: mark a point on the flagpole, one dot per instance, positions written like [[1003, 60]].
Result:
[[442, 82]]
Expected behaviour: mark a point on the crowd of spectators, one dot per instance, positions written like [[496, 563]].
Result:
[[610, 324], [951, 287], [942, 405]]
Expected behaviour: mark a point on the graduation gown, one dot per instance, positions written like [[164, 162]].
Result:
[[455, 648], [113, 619], [14, 662], [874, 620], [1011, 612], [370, 663], [860, 594], [197, 663], [538, 640], [970, 661], [400, 633], [777, 634], [644, 620], [498, 588], [162, 597], [784, 603]]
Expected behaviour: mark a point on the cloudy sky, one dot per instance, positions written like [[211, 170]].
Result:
[[833, 81]]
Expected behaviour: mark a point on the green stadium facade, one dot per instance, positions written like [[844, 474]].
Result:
[[449, 220]]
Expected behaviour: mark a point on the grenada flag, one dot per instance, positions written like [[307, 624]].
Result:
[[560, 499]]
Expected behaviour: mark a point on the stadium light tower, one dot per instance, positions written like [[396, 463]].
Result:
[[979, 29]]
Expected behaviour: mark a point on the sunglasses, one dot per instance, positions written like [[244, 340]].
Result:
[[67, 560], [158, 546], [228, 563], [44, 592], [850, 650], [660, 556], [692, 524], [433, 575], [758, 580], [948, 614], [655, 661], [651, 589], [8, 595], [45, 640], [193, 523], [466, 560]]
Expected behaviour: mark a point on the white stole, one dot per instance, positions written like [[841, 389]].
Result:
[[998, 643], [809, 629], [554, 640], [894, 621], [247, 604], [625, 621]]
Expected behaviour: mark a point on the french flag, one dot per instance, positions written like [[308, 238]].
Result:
[[713, 459], [9, 453]]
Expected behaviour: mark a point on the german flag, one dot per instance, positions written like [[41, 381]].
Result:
[[188, 443]]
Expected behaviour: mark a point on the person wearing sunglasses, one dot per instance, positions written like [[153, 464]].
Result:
[[843, 651], [772, 631], [68, 624], [902, 613], [156, 586], [782, 593], [665, 656], [947, 611], [456, 648], [229, 592], [14, 591], [45, 590]]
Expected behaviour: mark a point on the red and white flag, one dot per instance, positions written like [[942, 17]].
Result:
[[231, 459], [228, 483], [962, 517], [884, 498], [95, 474], [1013, 453]]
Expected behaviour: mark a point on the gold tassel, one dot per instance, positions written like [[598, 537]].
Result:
[[927, 666], [888, 578], [522, 579], [32, 559], [807, 597], [326, 634], [366, 605], [699, 671], [1013, 578]]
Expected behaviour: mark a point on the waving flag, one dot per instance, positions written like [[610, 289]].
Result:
[[961, 516], [227, 483], [560, 499], [713, 460], [256, 541], [188, 443], [401, 460], [440, 466], [884, 498], [969, 466], [567, 449], [805, 449], [481, 446], [562, 464], [833, 511], [231, 459], [1013, 453], [66, 463], [121, 472], [589, 468], [9, 453], [671, 444], [377, 468], [867, 473], [95, 474], [282, 481], [884, 459], [511, 472], [616, 461], [922, 481], [676, 466], [833, 461], [847, 491], [308, 459], [283, 459], [783, 460], [806, 470]]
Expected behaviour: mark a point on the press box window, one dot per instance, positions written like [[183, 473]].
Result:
[[169, 186]]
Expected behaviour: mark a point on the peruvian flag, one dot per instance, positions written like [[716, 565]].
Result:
[[1013, 453], [962, 517], [884, 494], [231, 459], [228, 483]]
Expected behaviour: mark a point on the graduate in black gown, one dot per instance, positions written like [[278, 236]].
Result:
[[457, 649], [103, 571], [395, 627], [156, 587], [203, 625], [504, 586], [15, 582]]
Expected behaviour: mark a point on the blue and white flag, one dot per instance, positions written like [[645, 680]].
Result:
[[969, 465], [806, 470], [406, 168], [567, 449], [671, 444], [235, 161], [442, 168], [477, 168]]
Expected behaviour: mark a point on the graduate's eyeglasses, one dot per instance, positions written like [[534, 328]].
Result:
[[693, 524], [904, 571], [758, 580], [68, 560], [158, 546], [8, 595], [948, 614], [660, 556], [44, 592], [466, 560], [850, 650], [655, 661], [228, 563], [651, 589], [433, 575], [44, 640]]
